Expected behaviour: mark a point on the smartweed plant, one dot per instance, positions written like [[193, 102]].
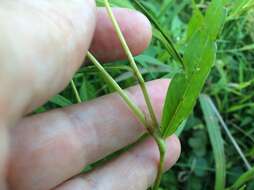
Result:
[[198, 58], [202, 35]]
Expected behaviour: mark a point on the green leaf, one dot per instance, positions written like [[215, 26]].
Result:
[[195, 23], [216, 139], [199, 51], [199, 57], [60, 101], [181, 128], [215, 18], [184, 89]]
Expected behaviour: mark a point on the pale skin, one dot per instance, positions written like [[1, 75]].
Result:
[[42, 44]]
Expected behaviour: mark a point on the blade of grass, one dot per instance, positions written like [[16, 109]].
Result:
[[216, 141], [171, 47], [60, 101], [230, 136], [242, 180], [239, 8]]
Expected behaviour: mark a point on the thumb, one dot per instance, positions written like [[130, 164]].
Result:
[[42, 44]]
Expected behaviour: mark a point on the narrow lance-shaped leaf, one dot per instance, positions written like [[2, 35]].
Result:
[[184, 89], [196, 22], [198, 60], [216, 140], [215, 18]]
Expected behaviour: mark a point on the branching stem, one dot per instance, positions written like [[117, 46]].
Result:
[[135, 109], [154, 129], [155, 133], [133, 65]]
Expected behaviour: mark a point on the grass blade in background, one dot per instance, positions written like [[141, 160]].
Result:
[[230, 136], [239, 8], [216, 140], [60, 101], [242, 180], [166, 40]]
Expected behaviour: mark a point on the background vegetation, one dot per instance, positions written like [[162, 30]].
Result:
[[230, 88]]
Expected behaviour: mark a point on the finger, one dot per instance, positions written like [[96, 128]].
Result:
[[136, 29], [134, 170], [55, 146], [48, 46]]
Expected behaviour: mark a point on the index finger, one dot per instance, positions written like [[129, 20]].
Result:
[[135, 27]]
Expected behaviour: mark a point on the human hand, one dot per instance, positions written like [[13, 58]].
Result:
[[42, 44]]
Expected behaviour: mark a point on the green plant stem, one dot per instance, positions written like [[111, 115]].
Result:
[[155, 129], [155, 133], [133, 65], [120, 91], [162, 149], [75, 91]]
